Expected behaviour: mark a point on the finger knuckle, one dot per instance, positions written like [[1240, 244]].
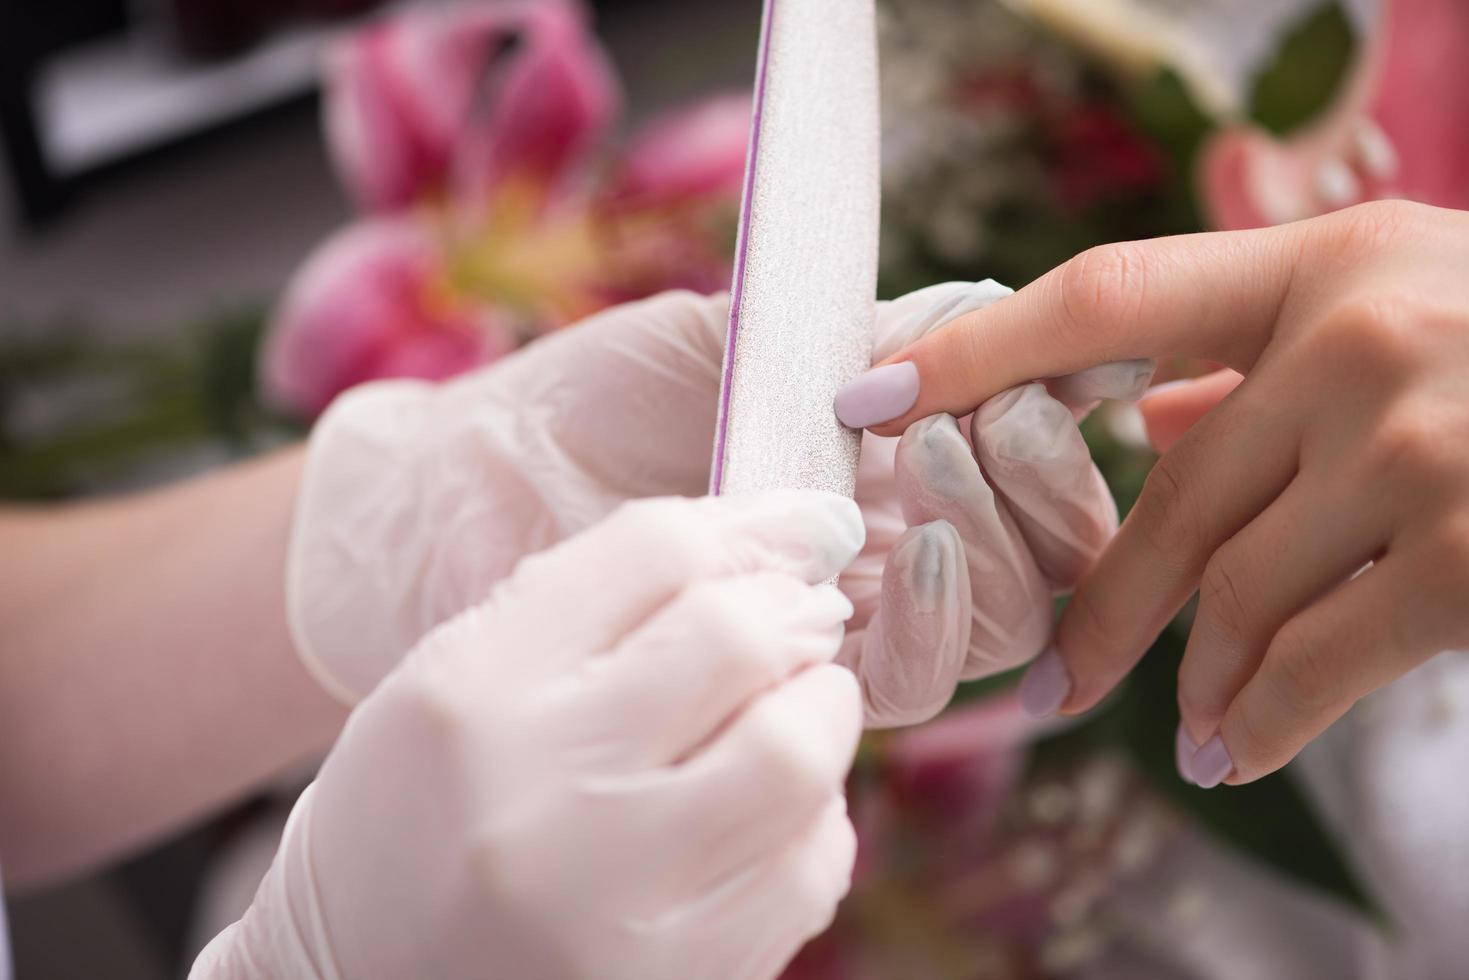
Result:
[[1370, 226], [1254, 746], [736, 624], [1453, 562], [1301, 672], [1090, 625], [787, 761], [1407, 447], [1101, 290], [1372, 342], [1223, 592], [1164, 512]]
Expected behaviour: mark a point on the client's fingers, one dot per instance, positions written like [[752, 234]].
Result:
[[1307, 542], [1172, 408], [1364, 634], [1215, 481]]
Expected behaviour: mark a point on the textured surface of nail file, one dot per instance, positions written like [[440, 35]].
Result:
[[802, 302]]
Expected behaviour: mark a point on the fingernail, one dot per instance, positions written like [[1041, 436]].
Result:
[[1045, 685], [1164, 388], [880, 395], [1211, 764], [1184, 751]]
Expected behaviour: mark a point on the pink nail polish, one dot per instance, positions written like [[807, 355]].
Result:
[[1045, 686], [878, 396], [1211, 765]]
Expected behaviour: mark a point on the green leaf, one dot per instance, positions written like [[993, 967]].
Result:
[[124, 403], [1166, 111], [1313, 60]]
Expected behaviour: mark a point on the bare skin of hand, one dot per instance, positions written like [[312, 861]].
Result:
[[1319, 506]]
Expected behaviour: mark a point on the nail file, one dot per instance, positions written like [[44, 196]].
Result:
[[805, 280]]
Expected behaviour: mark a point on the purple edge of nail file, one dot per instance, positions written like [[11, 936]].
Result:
[[803, 295]]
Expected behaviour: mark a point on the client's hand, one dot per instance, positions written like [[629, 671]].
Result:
[[610, 769], [1342, 446]]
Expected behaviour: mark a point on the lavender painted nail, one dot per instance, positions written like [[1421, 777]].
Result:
[[1211, 764], [1184, 751], [1045, 685], [880, 395]]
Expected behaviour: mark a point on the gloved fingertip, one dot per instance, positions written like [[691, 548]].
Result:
[[928, 557], [822, 531], [1117, 381], [1027, 426], [830, 603], [934, 455]]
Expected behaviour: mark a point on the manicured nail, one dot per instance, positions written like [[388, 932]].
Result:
[[1045, 686], [878, 396], [1184, 751], [1211, 764]]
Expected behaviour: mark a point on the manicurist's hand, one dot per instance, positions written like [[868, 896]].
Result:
[[1344, 445], [417, 498], [612, 771]]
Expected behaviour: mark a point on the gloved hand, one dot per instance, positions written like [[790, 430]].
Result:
[[608, 769], [417, 498]]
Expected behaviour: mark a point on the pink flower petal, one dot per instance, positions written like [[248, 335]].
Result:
[[366, 305], [547, 107], [493, 87], [1421, 98], [693, 151]]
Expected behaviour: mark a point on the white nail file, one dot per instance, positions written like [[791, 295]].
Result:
[[805, 281]]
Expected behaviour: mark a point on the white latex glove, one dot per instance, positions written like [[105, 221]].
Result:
[[609, 770], [417, 498]]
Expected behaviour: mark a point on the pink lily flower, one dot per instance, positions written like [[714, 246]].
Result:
[[491, 120], [477, 93], [1396, 130]]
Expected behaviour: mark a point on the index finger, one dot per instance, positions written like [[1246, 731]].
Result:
[[1213, 295]]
